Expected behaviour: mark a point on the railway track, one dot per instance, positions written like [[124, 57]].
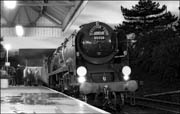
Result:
[[169, 107], [164, 93], [171, 96], [145, 105]]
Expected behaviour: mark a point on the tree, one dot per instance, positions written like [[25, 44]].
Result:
[[1, 47], [156, 51], [2, 53], [178, 27], [1, 39], [145, 16], [157, 55]]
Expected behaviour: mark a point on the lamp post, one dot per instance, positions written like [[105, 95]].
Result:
[[7, 47]]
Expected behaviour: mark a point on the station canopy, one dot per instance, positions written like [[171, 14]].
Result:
[[27, 12], [44, 22]]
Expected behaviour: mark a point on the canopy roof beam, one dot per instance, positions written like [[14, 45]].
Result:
[[46, 4], [53, 19]]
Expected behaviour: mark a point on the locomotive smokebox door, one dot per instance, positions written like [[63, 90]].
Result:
[[97, 42]]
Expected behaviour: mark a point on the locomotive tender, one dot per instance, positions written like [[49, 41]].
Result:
[[89, 61]]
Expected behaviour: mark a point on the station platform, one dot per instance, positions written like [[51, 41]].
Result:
[[38, 100]]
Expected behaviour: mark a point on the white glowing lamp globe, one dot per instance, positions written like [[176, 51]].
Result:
[[7, 46], [81, 71], [10, 4], [81, 79], [19, 30], [126, 77], [126, 70]]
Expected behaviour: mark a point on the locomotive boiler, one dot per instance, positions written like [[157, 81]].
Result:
[[91, 62]]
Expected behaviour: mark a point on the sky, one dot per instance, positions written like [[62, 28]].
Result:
[[110, 12]]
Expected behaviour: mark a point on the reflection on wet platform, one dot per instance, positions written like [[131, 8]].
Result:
[[41, 100], [32, 98]]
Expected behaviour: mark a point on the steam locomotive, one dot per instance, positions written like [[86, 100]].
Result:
[[91, 62]]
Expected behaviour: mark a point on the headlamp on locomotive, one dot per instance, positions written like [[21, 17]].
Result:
[[126, 70], [81, 72]]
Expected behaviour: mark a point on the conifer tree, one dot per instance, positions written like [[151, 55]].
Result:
[[1, 46], [145, 16], [1, 52], [156, 50], [178, 25]]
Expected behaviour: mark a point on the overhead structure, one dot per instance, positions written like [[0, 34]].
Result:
[[27, 13]]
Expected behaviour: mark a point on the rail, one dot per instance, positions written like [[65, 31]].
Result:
[[155, 104], [164, 93]]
